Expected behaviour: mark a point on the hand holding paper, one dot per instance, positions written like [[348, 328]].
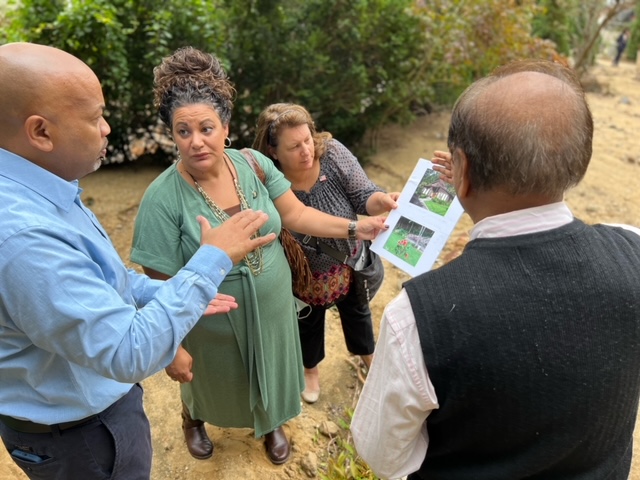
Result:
[[427, 213]]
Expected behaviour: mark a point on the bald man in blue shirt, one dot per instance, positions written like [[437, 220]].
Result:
[[78, 329]]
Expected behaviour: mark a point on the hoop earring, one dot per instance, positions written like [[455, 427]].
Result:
[[225, 142]]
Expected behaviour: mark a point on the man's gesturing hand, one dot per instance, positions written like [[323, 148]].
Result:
[[234, 235]]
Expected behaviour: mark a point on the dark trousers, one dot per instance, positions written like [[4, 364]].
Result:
[[115, 445], [356, 326]]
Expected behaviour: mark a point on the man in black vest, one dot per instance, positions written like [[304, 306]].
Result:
[[521, 358]]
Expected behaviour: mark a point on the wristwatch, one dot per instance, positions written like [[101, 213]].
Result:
[[352, 230]]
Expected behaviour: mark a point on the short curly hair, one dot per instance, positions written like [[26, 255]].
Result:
[[189, 77]]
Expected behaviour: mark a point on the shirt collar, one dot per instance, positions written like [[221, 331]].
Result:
[[58, 191], [521, 222]]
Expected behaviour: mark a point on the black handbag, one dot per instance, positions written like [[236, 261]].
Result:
[[367, 280]]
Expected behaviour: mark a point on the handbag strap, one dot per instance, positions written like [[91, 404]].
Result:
[[319, 245], [316, 243], [251, 160]]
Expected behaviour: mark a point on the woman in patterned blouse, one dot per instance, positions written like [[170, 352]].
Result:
[[324, 175]]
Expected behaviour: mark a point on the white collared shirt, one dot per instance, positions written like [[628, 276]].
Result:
[[389, 424]]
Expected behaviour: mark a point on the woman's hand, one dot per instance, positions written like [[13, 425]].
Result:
[[221, 304], [298, 217], [442, 165], [180, 369], [368, 228], [381, 202]]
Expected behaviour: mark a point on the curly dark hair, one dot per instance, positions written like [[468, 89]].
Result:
[[188, 77]]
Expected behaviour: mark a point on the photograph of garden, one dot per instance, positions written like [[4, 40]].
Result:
[[428, 210], [408, 241], [433, 193]]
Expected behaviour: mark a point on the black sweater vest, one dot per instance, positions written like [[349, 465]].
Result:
[[532, 343]]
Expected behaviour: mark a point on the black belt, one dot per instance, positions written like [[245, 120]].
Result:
[[25, 426]]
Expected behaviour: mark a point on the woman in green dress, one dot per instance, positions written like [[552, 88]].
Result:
[[244, 368]]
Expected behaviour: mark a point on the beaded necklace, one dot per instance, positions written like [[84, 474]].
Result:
[[252, 259]]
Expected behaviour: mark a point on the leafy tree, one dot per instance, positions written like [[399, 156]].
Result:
[[553, 22], [350, 62], [374, 83], [591, 18], [472, 37]]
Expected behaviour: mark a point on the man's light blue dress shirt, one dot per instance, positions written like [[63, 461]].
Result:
[[74, 335]]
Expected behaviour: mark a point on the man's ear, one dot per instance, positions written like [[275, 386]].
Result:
[[461, 179], [38, 134]]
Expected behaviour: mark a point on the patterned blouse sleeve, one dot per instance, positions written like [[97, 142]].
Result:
[[354, 179]]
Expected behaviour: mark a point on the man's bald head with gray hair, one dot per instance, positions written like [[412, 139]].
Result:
[[524, 129]]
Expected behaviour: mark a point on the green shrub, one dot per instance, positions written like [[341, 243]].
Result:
[[352, 63], [121, 40], [552, 21], [471, 37]]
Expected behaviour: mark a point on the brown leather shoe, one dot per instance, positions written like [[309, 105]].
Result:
[[198, 442], [278, 448]]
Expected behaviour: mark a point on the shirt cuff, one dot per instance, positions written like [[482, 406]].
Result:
[[206, 257]]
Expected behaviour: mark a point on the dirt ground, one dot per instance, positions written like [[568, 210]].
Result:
[[608, 194]]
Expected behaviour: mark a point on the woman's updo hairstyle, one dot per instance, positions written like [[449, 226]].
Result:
[[189, 77]]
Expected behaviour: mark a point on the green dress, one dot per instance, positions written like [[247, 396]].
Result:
[[247, 364]]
